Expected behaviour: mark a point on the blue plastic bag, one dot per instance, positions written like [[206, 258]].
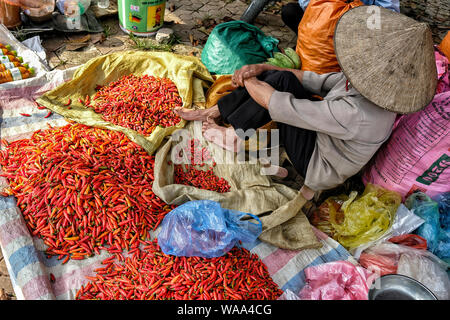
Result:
[[443, 247], [203, 228]]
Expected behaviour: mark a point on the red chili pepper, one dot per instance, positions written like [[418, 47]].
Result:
[[138, 103], [48, 114], [39, 106], [150, 274], [52, 278], [199, 178], [25, 114], [68, 102]]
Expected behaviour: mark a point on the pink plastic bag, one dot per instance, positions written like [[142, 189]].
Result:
[[339, 280], [417, 154]]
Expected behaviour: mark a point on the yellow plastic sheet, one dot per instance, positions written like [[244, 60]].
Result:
[[188, 73], [353, 220]]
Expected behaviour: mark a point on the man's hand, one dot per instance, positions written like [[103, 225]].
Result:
[[254, 70], [248, 71]]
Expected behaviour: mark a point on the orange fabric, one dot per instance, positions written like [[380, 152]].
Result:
[[445, 45], [315, 44], [12, 2]]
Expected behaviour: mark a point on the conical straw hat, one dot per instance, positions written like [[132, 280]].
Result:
[[388, 57]]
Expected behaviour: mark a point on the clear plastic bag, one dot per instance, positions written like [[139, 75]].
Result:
[[427, 272], [443, 201], [203, 228], [354, 221]]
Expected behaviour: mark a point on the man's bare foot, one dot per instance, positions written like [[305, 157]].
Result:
[[225, 138], [198, 114]]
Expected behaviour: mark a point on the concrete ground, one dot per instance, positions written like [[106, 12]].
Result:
[[191, 21]]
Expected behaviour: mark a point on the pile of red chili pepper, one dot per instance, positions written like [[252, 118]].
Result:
[[206, 180], [189, 175], [82, 189], [149, 274], [139, 103]]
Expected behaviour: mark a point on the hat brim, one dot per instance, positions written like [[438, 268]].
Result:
[[388, 57]]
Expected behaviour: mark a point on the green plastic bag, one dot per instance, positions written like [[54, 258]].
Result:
[[234, 44]]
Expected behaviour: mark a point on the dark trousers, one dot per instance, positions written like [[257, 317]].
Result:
[[291, 14], [242, 112]]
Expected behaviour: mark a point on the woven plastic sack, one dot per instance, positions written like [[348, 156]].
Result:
[[203, 228], [234, 44], [426, 271], [354, 221], [442, 67], [315, 44], [278, 206], [421, 265]]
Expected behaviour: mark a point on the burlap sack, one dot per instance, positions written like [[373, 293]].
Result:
[[278, 206]]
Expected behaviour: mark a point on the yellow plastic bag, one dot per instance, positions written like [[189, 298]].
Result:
[[188, 73], [353, 220]]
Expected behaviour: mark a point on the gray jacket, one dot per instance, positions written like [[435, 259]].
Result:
[[350, 128]]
